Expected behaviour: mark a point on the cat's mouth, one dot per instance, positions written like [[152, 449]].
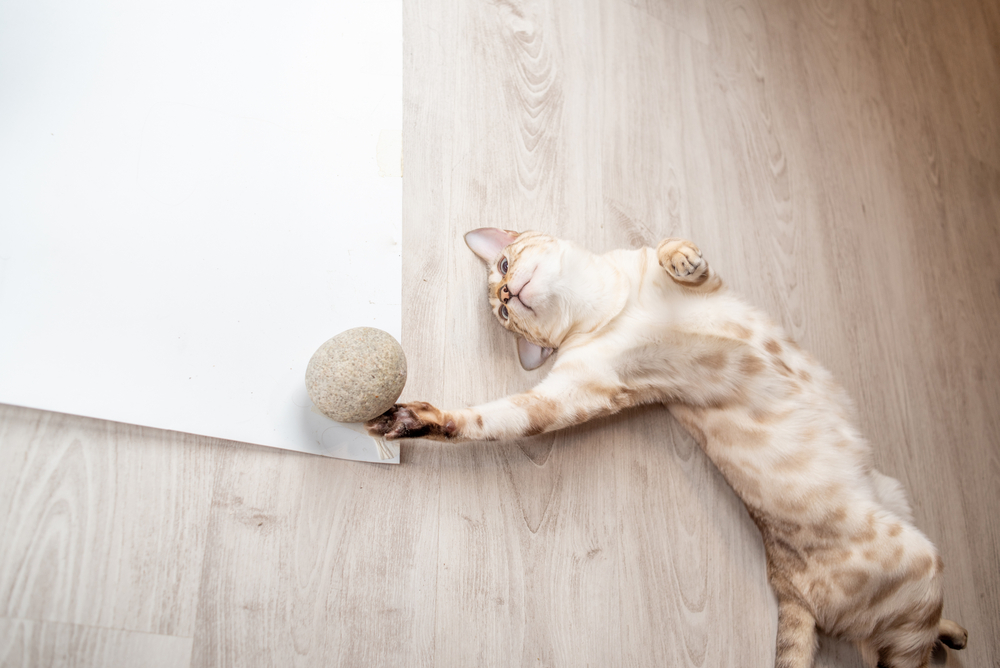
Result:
[[520, 296]]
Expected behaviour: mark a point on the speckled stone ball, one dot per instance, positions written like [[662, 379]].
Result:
[[357, 375]]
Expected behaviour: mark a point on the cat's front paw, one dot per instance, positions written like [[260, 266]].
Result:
[[682, 261], [413, 420]]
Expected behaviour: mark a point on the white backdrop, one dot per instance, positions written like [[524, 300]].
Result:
[[194, 195]]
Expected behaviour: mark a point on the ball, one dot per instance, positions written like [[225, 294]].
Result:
[[357, 375]]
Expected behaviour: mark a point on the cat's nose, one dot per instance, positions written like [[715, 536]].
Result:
[[504, 294]]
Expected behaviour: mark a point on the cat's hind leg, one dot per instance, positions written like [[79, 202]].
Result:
[[951, 634], [892, 495], [908, 651], [796, 645], [910, 643], [683, 262], [909, 657]]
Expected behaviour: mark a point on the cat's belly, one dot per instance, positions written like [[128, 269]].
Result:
[[807, 483], [797, 464]]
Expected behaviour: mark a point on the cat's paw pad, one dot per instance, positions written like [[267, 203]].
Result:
[[413, 420], [682, 260]]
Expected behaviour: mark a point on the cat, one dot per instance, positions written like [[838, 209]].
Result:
[[659, 326]]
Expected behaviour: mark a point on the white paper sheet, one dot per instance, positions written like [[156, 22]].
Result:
[[194, 195]]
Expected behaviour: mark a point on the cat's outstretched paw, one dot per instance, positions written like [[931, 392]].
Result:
[[682, 261], [413, 420]]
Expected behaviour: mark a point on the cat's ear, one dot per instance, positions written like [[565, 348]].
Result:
[[531, 355], [487, 242]]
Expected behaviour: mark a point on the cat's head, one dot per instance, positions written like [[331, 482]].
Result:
[[541, 288]]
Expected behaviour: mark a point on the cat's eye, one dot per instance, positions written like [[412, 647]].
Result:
[[502, 266], [503, 311]]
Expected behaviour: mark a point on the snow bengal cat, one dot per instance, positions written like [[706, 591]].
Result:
[[642, 326]]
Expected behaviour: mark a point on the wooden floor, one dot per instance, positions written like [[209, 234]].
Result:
[[837, 160]]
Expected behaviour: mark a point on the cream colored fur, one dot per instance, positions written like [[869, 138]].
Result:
[[658, 326]]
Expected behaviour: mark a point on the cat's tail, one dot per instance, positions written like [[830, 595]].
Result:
[[892, 495]]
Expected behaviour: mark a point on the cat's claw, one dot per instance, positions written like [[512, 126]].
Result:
[[682, 260], [413, 420]]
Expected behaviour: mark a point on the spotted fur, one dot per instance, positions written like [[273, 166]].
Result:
[[659, 326]]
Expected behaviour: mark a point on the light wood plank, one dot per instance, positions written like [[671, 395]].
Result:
[[687, 16], [323, 560], [30, 644], [526, 530], [677, 589], [103, 524]]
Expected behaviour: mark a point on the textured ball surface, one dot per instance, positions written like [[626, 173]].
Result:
[[357, 375]]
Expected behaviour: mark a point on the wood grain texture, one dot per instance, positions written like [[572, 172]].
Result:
[[30, 644], [839, 164], [318, 560], [103, 524]]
